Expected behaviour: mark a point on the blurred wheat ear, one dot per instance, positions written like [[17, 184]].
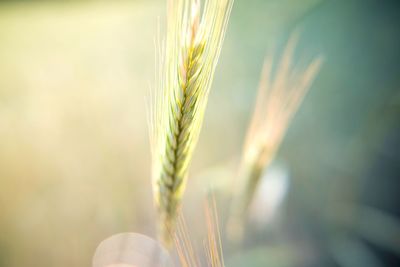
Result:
[[194, 38], [277, 101], [212, 245]]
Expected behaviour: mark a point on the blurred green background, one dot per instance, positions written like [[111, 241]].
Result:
[[74, 151]]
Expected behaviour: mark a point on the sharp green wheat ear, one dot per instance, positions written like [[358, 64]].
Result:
[[195, 34], [277, 101]]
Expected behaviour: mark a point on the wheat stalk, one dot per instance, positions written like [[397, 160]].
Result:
[[193, 44], [277, 101]]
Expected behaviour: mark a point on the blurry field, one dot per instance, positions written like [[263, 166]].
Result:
[[74, 150]]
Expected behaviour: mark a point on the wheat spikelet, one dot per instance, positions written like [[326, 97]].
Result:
[[193, 44], [277, 101]]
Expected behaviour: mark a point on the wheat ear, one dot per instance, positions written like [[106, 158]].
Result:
[[195, 34], [277, 101]]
